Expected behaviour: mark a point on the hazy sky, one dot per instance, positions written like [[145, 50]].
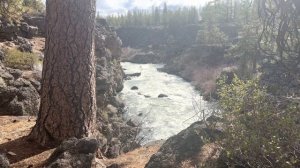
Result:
[[120, 6], [107, 7]]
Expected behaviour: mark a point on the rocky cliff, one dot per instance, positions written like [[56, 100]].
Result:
[[115, 135], [18, 93]]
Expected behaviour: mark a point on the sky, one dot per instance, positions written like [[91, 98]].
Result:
[[109, 7]]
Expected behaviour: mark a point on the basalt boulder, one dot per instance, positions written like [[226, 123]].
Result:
[[18, 96], [185, 146], [75, 153]]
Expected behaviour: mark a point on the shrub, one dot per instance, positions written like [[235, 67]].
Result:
[[11, 9], [212, 35], [259, 131], [33, 6], [20, 60]]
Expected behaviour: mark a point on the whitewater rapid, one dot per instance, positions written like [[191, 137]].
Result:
[[160, 118]]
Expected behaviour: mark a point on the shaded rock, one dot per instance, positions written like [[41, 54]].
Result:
[[147, 96], [4, 162], [131, 123], [17, 95], [16, 73], [114, 149], [117, 102], [36, 84], [28, 31], [36, 21], [134, 88], [24, 44], [75, 153], [114, 166], [2, 55], [134, 75], [183, 146], [162, 95], [8, 30]]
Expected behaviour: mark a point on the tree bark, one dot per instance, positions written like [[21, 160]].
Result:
[[68, 100]]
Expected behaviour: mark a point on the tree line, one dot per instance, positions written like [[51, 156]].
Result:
[[157, 16]]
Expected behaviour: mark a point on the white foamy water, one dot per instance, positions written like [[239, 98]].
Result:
[[160, 118]]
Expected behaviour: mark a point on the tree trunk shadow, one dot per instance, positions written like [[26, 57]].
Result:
[[22, 148]]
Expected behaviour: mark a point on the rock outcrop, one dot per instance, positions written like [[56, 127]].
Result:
[[8, 30], [4, 162], [109, 72], [11, 30], [28, 31], [18, 96], [187, 146], [114, 134], [75, 153], [36, 21]]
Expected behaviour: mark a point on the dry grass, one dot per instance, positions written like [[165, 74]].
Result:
[[135, 159], [38, 44], [205, 78]]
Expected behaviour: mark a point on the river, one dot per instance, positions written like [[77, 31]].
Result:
[[160, 118]]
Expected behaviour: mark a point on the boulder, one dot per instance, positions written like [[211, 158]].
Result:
[[134, 88], [133, 75], [8, 30], [162, 95], [74, 153], [132, 123], [24, 44], [18, 96], [116, 101], [16, 73], [28, 31], [184, 146], [4, 162], [36, 21]]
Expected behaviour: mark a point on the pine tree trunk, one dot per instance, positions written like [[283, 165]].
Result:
[[68, 100]]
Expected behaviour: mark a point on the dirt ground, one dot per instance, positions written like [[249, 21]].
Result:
[[24, 154]]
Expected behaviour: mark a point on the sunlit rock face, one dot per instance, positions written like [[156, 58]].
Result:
[[109, 72]]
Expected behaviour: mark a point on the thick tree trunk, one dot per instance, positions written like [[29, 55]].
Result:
[[68, 101]]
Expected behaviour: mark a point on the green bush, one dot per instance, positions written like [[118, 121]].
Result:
[[260, 131], [11, 9], [211, 35], [33, 6], [20, 60]]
